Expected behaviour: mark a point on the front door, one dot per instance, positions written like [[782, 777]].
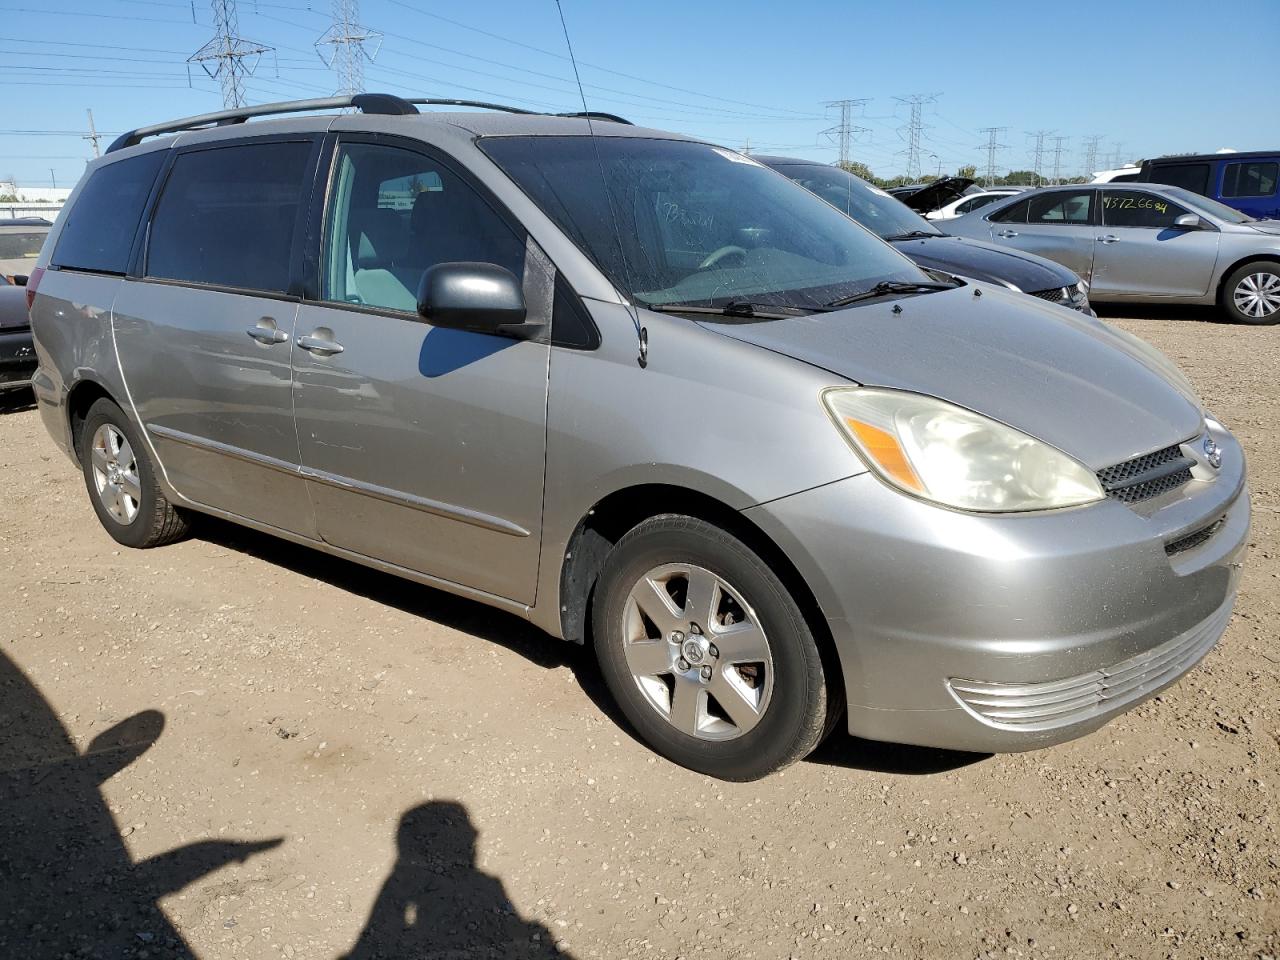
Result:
[[204, 335], [422, 446], [1141, 253]]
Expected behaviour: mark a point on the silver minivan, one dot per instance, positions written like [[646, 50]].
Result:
[[654, 397]]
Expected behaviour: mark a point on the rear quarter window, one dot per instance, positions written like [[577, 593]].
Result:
[[100, 225], [1014, 213]]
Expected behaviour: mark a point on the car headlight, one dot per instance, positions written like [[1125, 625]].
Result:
[[952, 456]]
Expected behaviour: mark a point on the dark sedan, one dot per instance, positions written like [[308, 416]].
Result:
[[928, 246], [17, 356]]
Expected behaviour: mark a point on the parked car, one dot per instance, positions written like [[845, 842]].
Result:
[[926, 197], [17, 355], [1145, 243], [20, 242], [971, 202], [1126, 174], [927, 245], [1249, 182], [650, 395]]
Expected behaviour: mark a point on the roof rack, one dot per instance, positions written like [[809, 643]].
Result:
[[373, 103]]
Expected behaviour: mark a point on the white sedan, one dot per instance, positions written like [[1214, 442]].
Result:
[[970, 202]]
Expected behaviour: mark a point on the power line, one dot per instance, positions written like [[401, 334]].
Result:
[[347, 38], [1057, 158], [1091, 154], [913, 128], [993, 144], [1038, 154], [843, 132], [232, 57]]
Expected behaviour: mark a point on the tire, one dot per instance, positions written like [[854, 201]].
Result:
[[121, 481], [754, 696], [1251, 293]]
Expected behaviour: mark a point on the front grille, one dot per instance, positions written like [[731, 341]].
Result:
[[1056, 295], [1060, 703], [1192, 540], [1147, 476]]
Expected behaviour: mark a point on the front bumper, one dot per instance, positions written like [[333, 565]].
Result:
[[1002, 633], [17, 358]]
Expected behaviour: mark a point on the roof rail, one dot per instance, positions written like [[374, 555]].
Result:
[[380, 103], [374, 103]]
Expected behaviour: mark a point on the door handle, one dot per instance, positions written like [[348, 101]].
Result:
[[267, 335], [1007, 233], [1109, 238], [319, 345]]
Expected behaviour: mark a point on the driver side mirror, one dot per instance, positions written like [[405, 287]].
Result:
[[479, 297], [1188, 221]]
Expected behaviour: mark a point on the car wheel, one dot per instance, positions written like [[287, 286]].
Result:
[[1252, 293], [122, 482], [706, 652]]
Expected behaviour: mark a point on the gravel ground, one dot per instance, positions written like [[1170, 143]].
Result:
[[233, 747]]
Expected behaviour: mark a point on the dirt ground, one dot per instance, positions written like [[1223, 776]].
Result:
[[234, 747]]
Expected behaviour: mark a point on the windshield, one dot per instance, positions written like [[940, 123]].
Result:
[[884, 215], [695, 225], [1211, 207]]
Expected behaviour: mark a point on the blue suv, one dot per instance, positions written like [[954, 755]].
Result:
[[1246, 181]]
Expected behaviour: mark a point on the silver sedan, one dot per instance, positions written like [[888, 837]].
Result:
[[1140, 242]]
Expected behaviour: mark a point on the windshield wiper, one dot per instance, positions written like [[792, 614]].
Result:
[[734, 308], [886, 287], [914, 234]]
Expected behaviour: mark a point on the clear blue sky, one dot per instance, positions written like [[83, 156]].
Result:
[[1150, 77]]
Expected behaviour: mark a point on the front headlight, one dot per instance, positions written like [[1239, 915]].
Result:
[[937, 451]]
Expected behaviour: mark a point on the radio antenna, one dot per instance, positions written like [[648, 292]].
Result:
[[642, 333]]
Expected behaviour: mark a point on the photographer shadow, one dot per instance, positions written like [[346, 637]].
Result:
[[436, 904]]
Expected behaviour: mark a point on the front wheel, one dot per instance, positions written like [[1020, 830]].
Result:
[[706, 652], [1252, 293]]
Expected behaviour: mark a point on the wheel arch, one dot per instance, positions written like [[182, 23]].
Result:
[[605, 523], [1273, 257], [84, 393]]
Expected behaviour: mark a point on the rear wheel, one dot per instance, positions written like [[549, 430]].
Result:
[[121, 481], [1251, 293], [706, 652]]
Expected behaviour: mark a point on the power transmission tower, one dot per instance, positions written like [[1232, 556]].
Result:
[[993, 144], [913, 129], [1091, 154], [92, 136], [842, 133], [1117, 157], [1057, 158], [1038, 153], [228, 57], [346, 40]]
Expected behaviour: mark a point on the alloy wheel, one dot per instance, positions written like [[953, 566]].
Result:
[[697, 652], [115, 473]]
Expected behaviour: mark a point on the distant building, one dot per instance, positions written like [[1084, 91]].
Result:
[[34, 194]]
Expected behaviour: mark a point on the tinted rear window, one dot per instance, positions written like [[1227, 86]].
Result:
[[1014, 213], [100, 226], [227, 215], [1190, 176], [1252, 179]]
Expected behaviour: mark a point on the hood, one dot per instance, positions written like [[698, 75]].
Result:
[[13, 307], [986, 261], [1271, 227], [1064, 378], [937, 194]]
